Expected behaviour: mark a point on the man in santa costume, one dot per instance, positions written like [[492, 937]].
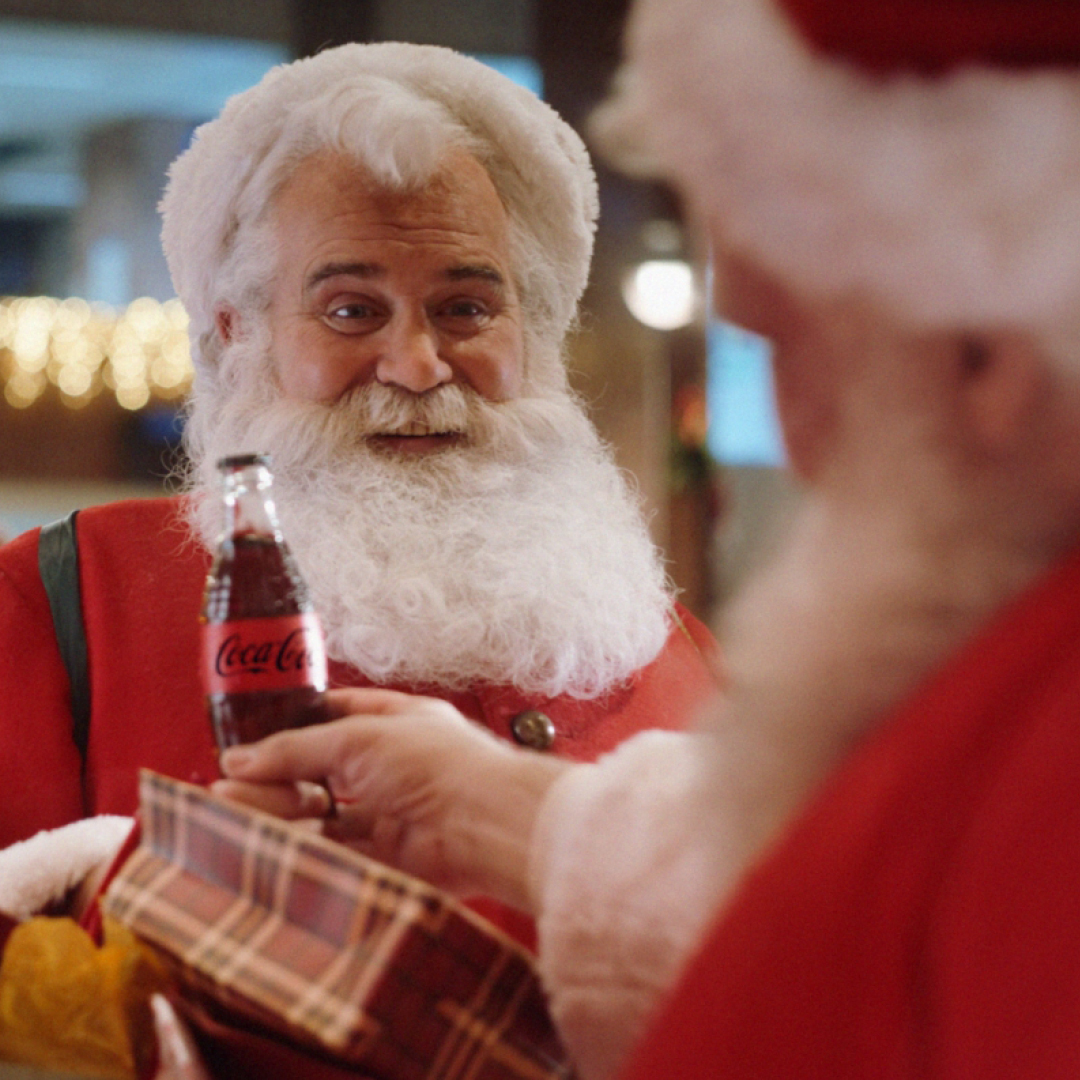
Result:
[[381, 250], [865, 863]]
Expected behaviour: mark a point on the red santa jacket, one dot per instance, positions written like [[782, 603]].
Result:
[[142, 577], [921, 918]]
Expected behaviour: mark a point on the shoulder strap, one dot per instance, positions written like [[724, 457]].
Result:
[[58, 564]]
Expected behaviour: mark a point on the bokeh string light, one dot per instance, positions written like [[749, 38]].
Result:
[[137, 353]]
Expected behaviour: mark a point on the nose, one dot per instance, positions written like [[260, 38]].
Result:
[[411, 359]]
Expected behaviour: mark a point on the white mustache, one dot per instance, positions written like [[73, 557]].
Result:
[[375, 409]]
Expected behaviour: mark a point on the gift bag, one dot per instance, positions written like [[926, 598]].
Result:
[[295, 956]]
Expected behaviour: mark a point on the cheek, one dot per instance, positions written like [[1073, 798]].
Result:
[[495, 367], [306, 371]]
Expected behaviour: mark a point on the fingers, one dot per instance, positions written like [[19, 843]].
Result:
[[303, 799], [463, 827], [323, 750], [178, 1057], [373, 701], [305, 754], [352, 825]]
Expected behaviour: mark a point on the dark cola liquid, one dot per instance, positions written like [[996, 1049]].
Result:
[[253, 576], [244, 718]]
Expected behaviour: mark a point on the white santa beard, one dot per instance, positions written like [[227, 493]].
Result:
[[890, 564], [519, 558]]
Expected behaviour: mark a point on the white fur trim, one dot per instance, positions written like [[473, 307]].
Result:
[[41, 870], [953, 201], [546, 174], [621, 874]]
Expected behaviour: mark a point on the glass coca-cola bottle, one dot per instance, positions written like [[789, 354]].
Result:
[[264, 662]]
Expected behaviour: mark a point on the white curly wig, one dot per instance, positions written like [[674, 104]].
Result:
[[396, 108], [950, 200]]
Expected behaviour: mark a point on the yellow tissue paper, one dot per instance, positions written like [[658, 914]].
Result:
[[67, 1004]]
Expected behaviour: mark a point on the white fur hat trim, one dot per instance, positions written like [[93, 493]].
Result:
[[552, 174], [954, 201]]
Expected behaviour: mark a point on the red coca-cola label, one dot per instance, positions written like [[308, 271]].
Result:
[[247, 655]]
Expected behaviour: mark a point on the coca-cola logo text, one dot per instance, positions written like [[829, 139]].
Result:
[[253, 655], [236, 655]]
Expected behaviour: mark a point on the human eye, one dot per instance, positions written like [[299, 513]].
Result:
[[355, 315], [466, 308], [464, 313]]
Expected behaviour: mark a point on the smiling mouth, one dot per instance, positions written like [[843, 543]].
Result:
[[417, 435], [415, 429]]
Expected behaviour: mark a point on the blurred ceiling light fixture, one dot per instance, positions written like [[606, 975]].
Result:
[[661, 293]]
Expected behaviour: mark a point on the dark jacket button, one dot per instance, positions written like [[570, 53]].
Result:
[[533, 729]]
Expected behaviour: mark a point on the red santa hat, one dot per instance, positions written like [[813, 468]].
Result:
[[935, 35], [922, 153]]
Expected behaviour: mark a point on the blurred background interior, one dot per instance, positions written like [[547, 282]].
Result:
[[98, 96]]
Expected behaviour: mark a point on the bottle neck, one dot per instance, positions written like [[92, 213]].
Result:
[[249, 503]]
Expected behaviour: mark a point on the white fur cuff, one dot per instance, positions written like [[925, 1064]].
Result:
[[37, 872], [621, 874]]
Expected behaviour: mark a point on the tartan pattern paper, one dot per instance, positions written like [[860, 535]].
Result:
[[291, 932]]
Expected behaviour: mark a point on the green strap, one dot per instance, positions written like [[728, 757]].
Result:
[[58, 564]]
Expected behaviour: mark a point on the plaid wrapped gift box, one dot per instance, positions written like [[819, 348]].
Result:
[[288, 933]]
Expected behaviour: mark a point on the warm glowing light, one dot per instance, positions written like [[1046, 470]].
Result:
[[139, 352], [661, 293], [133, 397], [23, 389], [146, 319], [175, 313], [74, 380], [30, 360]]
